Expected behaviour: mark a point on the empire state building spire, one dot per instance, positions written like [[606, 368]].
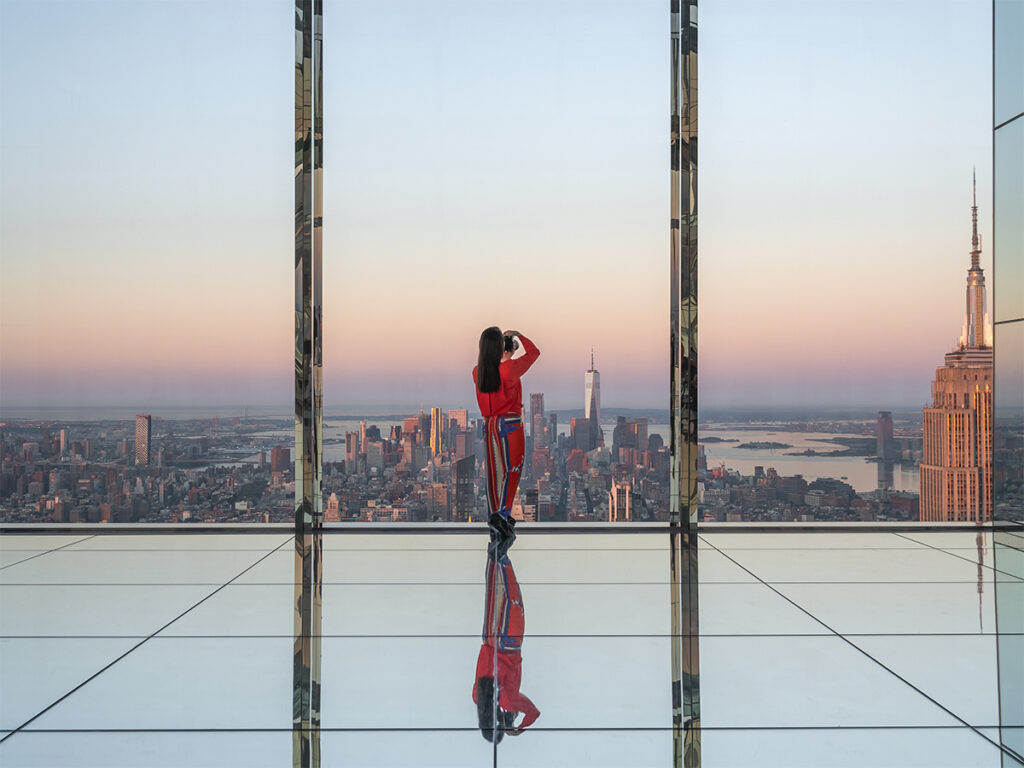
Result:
[[975, 240], [975, 333]]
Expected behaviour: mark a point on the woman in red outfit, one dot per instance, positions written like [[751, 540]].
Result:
[[500, 658], [499, 663], [500, 396]]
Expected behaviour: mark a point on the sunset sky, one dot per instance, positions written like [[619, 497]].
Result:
[[486, 163]]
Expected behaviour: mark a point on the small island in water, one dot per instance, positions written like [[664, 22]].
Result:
[[851, 446], [764, 446]]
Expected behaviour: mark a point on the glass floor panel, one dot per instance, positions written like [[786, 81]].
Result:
[[855, 565], [15, 556], [163, 749], [185, 683], [91, 610], [39, 542], [837, 648], [620, 678], [850, 748]]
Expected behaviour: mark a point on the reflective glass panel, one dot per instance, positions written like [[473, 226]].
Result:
[[1009, 59], [1009, 422], [1009, 224], [855, 657], [1010, 607], [145, 233], [811, 409], [513, 178]]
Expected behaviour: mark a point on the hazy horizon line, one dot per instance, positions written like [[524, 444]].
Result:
[[404, 410]]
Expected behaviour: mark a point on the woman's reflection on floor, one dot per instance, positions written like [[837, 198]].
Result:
[[499, 663]]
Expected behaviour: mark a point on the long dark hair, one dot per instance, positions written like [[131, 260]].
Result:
[[492, 347], [486, 711]]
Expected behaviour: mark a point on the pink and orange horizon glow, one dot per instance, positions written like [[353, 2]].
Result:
[[474, 181]]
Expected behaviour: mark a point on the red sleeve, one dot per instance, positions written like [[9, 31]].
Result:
[[484, 662], [521, 365], [520, 703], [510, 672]]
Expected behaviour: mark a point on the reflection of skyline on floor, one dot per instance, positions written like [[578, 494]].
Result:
[[840, 615]]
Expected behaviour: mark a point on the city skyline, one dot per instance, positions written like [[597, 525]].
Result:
[[166, 297]]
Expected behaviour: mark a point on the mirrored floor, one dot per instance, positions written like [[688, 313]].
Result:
[[817, 649]]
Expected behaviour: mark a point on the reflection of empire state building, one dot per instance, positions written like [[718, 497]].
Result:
[[956, 469]]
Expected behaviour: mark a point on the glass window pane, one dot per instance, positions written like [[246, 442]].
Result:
[[1009, 222], [146, 239], [1008, 436], [501, 165], [1009, 59], [835, 250], [1009, 553]]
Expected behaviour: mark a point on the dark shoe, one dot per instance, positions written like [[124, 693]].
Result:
[[502, 535], [501, 526]]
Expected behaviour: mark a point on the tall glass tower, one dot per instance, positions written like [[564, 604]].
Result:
[[143, 440], [592, 401]]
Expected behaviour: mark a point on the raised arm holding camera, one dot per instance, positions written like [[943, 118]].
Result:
[[499, 394]]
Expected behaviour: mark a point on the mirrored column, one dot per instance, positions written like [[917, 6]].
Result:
[[1008, 434], [683, 453], [308, 381]]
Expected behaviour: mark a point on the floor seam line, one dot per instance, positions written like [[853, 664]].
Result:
[[55, 549]]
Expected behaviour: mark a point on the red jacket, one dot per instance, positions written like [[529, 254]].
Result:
[[509, 397], [510, 672]]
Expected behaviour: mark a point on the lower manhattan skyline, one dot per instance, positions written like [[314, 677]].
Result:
[[823, 282]]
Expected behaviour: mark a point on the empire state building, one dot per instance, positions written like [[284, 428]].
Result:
[[956, 469]]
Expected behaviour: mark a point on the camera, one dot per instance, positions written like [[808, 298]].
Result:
[[511, 343]]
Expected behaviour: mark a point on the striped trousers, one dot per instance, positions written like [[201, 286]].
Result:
[[504, 615], [505, 446]]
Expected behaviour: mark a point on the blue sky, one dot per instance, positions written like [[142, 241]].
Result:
[[486, 163]]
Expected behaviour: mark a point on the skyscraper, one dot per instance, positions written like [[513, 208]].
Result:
[[409, 427], [463, 475], [537, 419], [143, 425], [592, 402], [592, 391], [351, 448], [436, 431], [883, 435], [580, 434], [280, 459], [333, 513], [956, 470], [620, 502], [460, 416]]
